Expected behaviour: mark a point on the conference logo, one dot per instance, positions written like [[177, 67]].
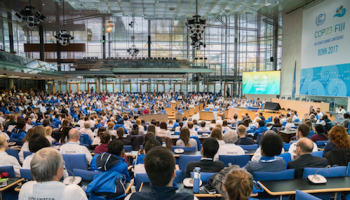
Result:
[[340, 12], [320, 19]]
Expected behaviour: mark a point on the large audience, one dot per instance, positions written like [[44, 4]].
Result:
[[100, 125]]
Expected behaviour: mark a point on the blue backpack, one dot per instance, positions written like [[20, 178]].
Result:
[[107, 186]]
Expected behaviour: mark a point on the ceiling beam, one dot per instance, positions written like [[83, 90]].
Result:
[[167, 1], [223, 8], [189, 7], [177, 9], [211, 9]]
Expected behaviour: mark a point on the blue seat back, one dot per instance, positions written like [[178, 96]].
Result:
[[184, 148], [317, 153], [348, 170], [9, 170], [26, 153], [240, 160], [177, 133], [143, 178], [299, 195], [13, 152], [199, 144], [85, 139], [206, 109], [185, 159], [163, 111], [297, 120], [286, 157], [201, 132], [249, 147], [284, 123], [321, 143], [205, 176], [127, 147], [25, 173], [75, 161], [330, 172], [274, 176], [85, 175]]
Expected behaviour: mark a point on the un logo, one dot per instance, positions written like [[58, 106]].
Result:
[[320, 19]]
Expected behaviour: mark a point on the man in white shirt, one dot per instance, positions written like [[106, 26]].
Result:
[[7, 160], [229, 148], [341, 111], [73, 147], [47, 169], [302, 132], [257, 118], [193, 132]]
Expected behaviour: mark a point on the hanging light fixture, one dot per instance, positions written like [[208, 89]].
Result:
[[133, 51], [63, 36], [197, 27], [29, 17]]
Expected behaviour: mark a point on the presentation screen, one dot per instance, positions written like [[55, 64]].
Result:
[[325, 60], [266, 82]]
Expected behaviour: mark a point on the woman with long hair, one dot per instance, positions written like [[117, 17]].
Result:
[[135, 129], [25, 142], [338, 139], [320, 134], [238, 185], [185, 140], [65, 135]]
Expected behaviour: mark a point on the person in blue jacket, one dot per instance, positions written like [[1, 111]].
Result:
[[111, 161], [120, 123], [19, 131], [261, 129]]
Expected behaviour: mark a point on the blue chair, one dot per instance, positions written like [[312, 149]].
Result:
[[85, 139], [136, 110], [286, 157], [85, 175], [215, 109], [240, 160], [299, 195], [206, 109], [186, 149], [177, 133], [321, 143], [286, 146], [127, 147], [284, 123], [274, 176], [249, 147], [14, 153], [185, 159], [201, 132], [75, 161], [297, 120], [163, 111], [25, 173], [26, 153], [204, 176], [180, 111], [330, 172], [199, 144], [9, 170], [143, 178], [317, 153]]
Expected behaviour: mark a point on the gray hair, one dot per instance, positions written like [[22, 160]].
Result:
[[87, 125], [45, 164], [230, 136]]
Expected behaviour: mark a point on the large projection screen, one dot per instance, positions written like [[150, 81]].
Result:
[[265, 82]]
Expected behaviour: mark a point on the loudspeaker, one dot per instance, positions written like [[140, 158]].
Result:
[[271, 59]]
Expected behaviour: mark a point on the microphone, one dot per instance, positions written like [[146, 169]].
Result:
[[72, 179], [317, 178]]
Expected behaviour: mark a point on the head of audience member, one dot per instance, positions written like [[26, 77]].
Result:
[[235, 116], [304, 146], [256, 114], [319, 129], [271, 144], [100, 131], [203, 124], [163, 126], [238, 185], [65, 134], [195, 122], [309, 123], [181, 124], [120, 132], [110, 125], [65, 123], [230, 137], [246, 122], [29, 134], [213, 121], [289, 120], [12, 117], [324, 117], [224, 123], [339, 137], [37, 142], [151, 144], [138, 122], [135, 129], [148, 136], [346, 115], [277, 122], [74, 135], [48, 131], [190, 125], [210, 147], [185, 136], [218, 126], [242, 131], [302, 131], [116, 148], [151, 128], [3, 143], [87, 125], [216, 133], [105, 138], [28, 120], [47, 165], [21, 124], [39, 130], [261, 123], [160, 166]]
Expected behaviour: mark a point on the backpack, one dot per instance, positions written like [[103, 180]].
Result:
[[107, 186]]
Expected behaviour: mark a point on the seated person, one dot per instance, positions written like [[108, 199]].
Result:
[[238, 185], [103, 147], [271, 145], [229, 148], [73, 146], [261, 128], [345, 123], [97, 139], [305, 159], [7, 160], [289, 124], [191, 129], [19, 131], [209, 148], [320, 134], [160, 169], [47, 168], [36, 142], [87, 130], [303, 131], [338, 139], [203, 127], [140, 168], [243, 140], [120, 134], [185, 140], [225, 126], [115, 162]]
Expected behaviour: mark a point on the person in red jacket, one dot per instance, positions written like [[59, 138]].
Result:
[[103, 147]]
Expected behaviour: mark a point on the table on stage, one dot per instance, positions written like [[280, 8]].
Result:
[[240, 111], [301, 107]]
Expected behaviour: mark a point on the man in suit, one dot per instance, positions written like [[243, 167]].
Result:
[[303, 150], [14, 90], [209, 148]]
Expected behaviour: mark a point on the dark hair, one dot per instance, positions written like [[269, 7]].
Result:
[[120, 132], [271, 144], [324, 117], [105, 138], [277, 121], [203, 124], [21, 124], [163, 125], [235, 116], [151, 128], [210, 147], [224, 123], [65, 134], [190, 125], [101, 130], [115, 147], [150, 144], [346, 115], [181, 124], [46, 122], [160, 165], [304, 129], [135, 129], [37, 142], [216, 133], [185, 136], [261, 123], [319, 129]]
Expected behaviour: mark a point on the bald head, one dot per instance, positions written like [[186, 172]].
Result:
[[74, 135], [306, 145]]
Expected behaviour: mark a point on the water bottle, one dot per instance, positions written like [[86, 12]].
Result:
[[196, 179], [163, 145]]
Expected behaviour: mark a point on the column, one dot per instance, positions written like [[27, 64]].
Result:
[[9, 17], [103, 37], [235, 84], [97, 84], [149, 39], [10, 83], [58, 45], [42, 45], [275, 44]]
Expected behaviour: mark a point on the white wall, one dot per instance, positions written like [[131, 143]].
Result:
[[260, 96]]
